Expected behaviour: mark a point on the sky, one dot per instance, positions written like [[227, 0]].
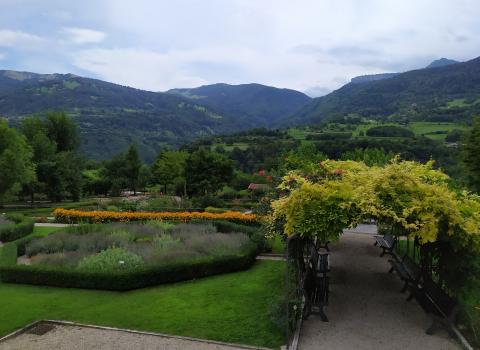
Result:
[[311, 46]]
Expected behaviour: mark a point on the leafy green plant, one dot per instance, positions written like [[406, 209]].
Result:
[[112, 259]]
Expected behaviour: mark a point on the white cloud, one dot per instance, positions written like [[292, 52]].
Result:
[[21, 40], [2, 56], [84, 35], [308, 45], [138, 68]]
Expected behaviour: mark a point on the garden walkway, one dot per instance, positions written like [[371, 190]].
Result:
[[366, 309], [76, 337]]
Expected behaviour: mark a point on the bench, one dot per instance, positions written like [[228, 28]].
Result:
[[386, 242], [317, 284], [408, 271], [442, 308]]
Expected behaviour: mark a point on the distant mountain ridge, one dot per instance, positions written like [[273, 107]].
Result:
[[372, 77], [260, 104], [111, 116], [442, 62]]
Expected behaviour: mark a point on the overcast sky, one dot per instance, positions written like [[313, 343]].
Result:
[[314, 46]]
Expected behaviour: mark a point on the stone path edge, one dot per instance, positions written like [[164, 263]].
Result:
[[162, 335]]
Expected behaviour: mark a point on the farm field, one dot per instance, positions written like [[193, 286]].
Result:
[[433, 130]]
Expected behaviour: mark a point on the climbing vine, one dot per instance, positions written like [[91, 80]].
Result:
[[413, 197]]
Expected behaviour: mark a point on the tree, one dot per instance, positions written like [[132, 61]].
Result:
[[62, 130], [132, 167], [206, 172], [16, 163], [472, 154], [54, 140], [169, 168]]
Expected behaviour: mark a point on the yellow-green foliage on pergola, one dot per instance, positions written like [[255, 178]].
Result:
[[410, 197]]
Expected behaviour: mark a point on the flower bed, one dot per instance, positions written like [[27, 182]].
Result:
[[75, 216], [123, 256]]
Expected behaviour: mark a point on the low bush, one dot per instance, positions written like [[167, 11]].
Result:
[[8, 254], [121, 281], [19, 227], [215, 210], [112, 259]]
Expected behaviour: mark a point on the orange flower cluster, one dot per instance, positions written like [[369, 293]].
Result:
[[75, 216]]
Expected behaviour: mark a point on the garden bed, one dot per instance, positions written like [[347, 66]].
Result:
[[121, 256], [78, 216]]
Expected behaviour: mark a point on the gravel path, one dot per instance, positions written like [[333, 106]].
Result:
[[366, 309], [52, 224], [85, 338]]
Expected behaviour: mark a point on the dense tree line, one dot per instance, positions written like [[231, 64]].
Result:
[[40, 160]]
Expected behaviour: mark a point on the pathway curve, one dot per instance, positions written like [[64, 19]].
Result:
[[366, 309]]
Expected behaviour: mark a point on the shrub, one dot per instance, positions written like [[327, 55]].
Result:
[[214, 210], [8, 254], [113, 259], [455, 135], [20, 227], [208, 200], [120, 280]]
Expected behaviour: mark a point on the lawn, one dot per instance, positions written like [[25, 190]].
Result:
[[48, 209], [233, 307], [42, 231]]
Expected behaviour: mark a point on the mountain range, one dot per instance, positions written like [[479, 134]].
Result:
[[111, 116], [261, 105], [441, 92]]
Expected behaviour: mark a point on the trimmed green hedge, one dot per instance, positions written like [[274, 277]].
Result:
[[8, 254], [122, 281], [21, 227]]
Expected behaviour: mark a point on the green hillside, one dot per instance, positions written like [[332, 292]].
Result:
[[445, 93]]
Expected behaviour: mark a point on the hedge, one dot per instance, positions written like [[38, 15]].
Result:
[[21, 227], [8, 254], [122, 281]]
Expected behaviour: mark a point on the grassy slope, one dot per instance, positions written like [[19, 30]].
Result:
[[233, 307]]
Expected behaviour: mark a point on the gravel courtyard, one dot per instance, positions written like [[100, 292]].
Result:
[[366, 309], [67, 337]]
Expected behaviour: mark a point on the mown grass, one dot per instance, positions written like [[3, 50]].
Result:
[[48, 210], [234, 307], [43, 231]]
